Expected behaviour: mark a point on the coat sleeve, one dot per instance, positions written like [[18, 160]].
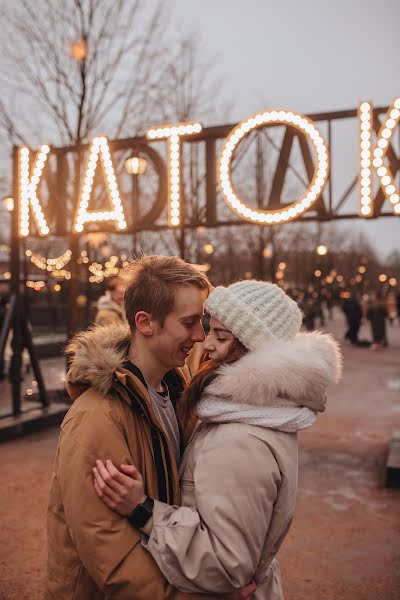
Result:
[[217, 547], [109, 548]]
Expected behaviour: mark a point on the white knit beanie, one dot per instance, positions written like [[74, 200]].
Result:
[[255, 311]]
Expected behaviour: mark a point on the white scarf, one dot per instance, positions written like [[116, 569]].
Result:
[[281, 385], [289, 419]]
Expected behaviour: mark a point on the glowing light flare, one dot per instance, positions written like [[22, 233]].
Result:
[[302, 124], [322, 250], [110, 269], [99, 147], [174, 133], [27, 190]]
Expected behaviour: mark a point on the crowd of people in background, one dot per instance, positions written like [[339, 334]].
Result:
[[376, 308]]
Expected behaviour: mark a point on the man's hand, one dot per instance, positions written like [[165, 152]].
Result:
[[120, 489], [243, 594]]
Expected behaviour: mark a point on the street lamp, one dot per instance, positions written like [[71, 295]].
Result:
[[321, 250], [135, 166]]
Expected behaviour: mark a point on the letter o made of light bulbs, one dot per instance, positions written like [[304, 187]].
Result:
[[266, 217]]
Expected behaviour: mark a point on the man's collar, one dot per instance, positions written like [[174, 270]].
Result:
[[135, 371]]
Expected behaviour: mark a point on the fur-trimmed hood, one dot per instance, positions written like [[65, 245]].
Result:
[[95, 355], [288, 373]]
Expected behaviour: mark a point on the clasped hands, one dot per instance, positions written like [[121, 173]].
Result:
[[122, 490]]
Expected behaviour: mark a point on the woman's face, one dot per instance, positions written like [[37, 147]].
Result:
[[218, 341]]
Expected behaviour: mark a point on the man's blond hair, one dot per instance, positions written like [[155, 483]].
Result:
[[151, 283]]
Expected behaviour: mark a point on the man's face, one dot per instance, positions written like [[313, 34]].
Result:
[[171, 343], [117, 294]]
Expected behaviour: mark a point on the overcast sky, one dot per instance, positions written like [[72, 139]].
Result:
[[307, 56]]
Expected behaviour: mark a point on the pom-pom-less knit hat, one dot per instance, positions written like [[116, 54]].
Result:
[[255, 311]]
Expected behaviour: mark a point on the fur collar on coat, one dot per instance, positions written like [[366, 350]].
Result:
[[288, 373], [96, 354]]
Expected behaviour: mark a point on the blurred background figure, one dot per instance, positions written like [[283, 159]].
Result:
[[377, 315], [110, 307], [319, 312], [310, 313], [3, 310], [398, 305], [391, 306], [329, 306], [353, 313]]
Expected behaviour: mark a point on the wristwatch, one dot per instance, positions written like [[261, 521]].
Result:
[[142, 513]]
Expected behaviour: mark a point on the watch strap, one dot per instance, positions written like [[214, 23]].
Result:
[[142, 513]]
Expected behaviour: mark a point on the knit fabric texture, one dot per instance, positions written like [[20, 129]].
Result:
[[289, 419], [255, 311]]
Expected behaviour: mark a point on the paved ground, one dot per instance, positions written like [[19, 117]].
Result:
[[345, 540]]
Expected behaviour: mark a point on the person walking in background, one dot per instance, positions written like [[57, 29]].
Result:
[[262, 383], [329, 305], [110, 307], [391, 306], [308, 308], [377, 314], [398, 305], [353, 313]]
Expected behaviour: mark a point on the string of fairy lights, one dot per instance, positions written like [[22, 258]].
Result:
[[55, 268], [50, 264]]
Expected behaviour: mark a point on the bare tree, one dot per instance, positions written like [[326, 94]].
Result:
[[84, 65]]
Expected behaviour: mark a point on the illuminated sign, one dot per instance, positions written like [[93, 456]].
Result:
[[99, 146], [371, 157], [303, 124], [27, 190], [374, 157], [173, 133]]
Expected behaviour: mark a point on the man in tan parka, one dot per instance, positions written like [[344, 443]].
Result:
[[124, 382]]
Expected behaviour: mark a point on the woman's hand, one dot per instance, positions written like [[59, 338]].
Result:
[[120, 489]]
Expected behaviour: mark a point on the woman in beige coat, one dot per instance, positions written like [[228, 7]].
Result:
[[264, 381]]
